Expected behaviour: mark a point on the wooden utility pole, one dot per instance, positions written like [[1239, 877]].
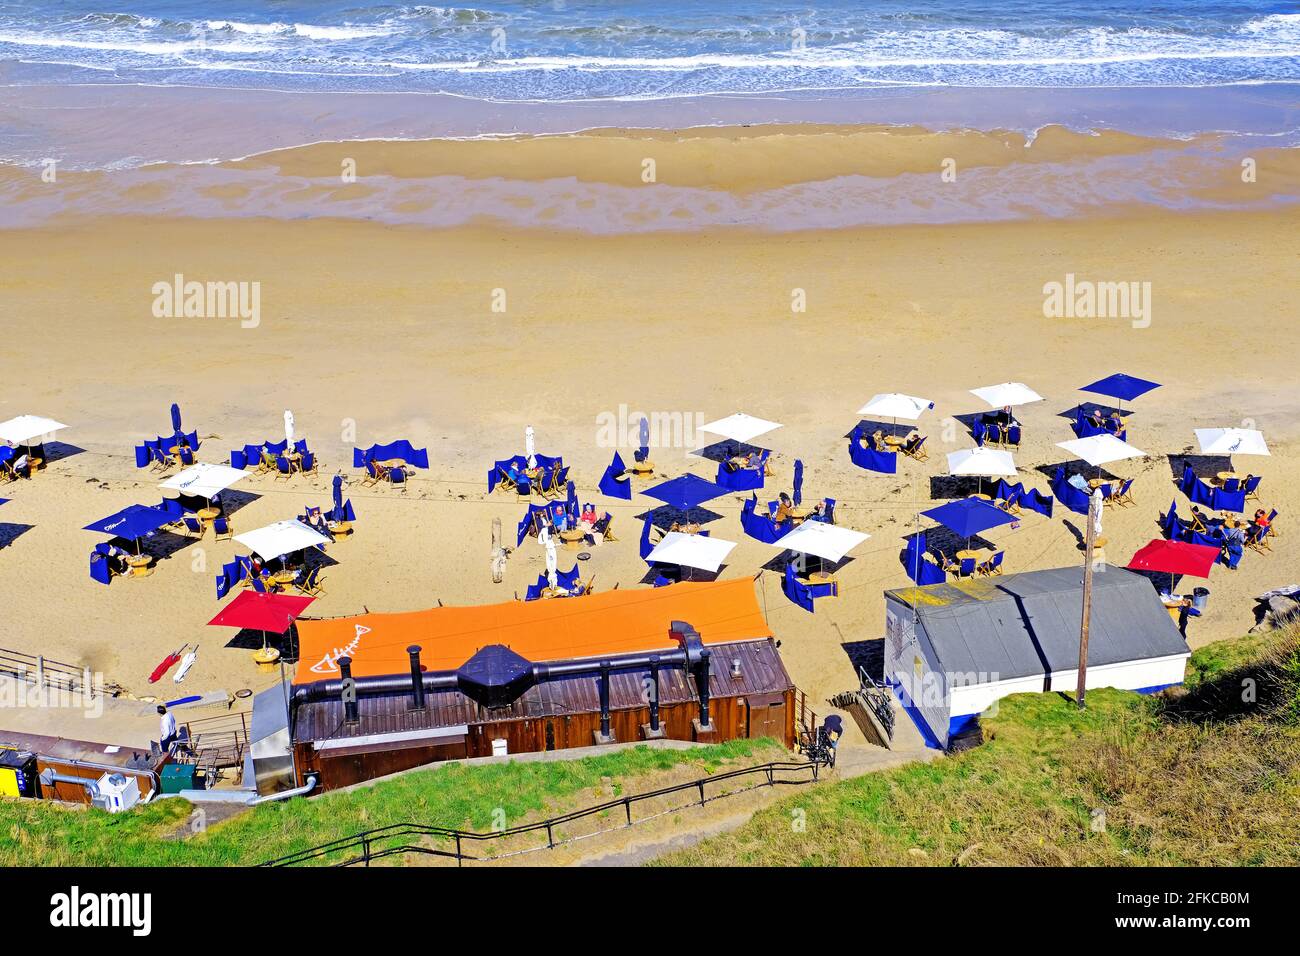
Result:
[[1089, 538]]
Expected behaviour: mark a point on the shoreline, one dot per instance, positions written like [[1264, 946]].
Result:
[[101, 126], [775, 179]]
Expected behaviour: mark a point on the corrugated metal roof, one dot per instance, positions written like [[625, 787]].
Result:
[[1020, 625], [761, 672]]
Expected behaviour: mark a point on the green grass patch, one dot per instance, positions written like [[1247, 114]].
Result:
[[1206, 776], [452, 795]]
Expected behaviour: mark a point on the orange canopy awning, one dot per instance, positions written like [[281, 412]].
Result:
[[608, 623]]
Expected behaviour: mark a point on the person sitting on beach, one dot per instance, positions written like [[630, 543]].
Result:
[[1115, 423], [1198, 520], [1094, 417], [20, 468], [588, 517], [818, 512], [1261, 519], [878, 440], [560, 518], [784, 509], [737, 462]]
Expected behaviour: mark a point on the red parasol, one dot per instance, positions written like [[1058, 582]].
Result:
[[1175, 557], [262, 612]]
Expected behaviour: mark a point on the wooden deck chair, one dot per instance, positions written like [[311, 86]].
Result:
[[1124, 496], [375, 473], [917, 451], [222, 529]]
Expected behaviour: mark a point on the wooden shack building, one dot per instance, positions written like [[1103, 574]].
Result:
[[378, 693]]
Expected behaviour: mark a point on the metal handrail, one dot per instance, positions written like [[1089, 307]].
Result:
[[366, 840]]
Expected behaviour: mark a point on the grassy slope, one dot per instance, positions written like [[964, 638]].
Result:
[[34, 832], [1210, 776]]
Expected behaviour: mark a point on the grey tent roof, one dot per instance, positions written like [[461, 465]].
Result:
[[1020, 625]]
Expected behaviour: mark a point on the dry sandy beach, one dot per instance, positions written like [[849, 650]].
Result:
[[375, 330]]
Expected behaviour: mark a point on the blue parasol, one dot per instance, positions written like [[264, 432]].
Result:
[[686, 492]]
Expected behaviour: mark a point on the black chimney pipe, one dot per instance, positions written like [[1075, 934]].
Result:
[[417, 682], [351, 712], [702, 685], [654, 693], [604, 699]]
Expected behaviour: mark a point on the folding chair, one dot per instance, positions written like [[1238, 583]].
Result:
[[917, 452], [993, 565], [1124, 496], [193, 526], [221, 529], [967, 567], [308, 463], [397, 476], [375, 473], [311, 584], [1251, 487], [282, 467]]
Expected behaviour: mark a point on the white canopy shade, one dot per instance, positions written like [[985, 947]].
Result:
[[1101, 449], [21, 430], [1231, 441], [691, 550], [985, 462], [829, 541], [1008, 393], [894, 405], [204, 480], [740, 427], [280, 538], [288, 426]]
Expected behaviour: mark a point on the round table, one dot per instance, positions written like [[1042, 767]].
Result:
[[573, 538], [207, 514], [642, 468], [340, 529], [266, 658], [139, 565], [798, 515], [969, 553], [284, 577], [1096, 483], [1228, 476], [982, 496], [894, 441], [820, 577]]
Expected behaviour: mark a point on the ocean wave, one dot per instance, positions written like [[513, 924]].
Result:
[[527, 51]]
